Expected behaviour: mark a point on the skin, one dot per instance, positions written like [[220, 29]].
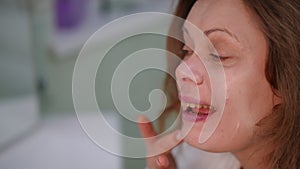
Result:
[[161, 157], [243, 49]]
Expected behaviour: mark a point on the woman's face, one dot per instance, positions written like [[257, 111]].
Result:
[[235, 34]]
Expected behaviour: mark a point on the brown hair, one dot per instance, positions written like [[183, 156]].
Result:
[[280, 21]]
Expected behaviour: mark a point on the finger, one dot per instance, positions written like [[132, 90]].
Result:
[[166, 143], [146, 127], [169, 141]]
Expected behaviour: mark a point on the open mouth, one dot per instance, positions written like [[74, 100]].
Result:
[[196, 112]]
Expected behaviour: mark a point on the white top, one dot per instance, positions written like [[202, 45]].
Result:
[[188, 157]]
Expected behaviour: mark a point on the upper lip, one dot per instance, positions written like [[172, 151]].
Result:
[[192, 100]]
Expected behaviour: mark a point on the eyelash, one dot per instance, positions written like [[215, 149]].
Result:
[[218, 57], [188, 52]]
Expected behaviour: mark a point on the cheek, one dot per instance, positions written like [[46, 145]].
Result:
[[248, 101], [239, 104]]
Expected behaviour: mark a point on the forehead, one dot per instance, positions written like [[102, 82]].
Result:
[[231, 15], [206, 14]]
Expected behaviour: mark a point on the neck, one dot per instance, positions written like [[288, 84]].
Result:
[[254, 157]]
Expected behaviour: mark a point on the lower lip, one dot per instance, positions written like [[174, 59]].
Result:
[[194, 117]]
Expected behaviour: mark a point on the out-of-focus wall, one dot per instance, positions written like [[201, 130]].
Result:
[[58, 48], [65, 45], [19, 108], [16, 64], [37, 58]]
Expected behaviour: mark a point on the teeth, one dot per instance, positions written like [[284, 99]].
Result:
[[198, 106], [185, 105], [192, 105]]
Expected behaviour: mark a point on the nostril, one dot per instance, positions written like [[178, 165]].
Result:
[[199, 83], [189, 74]]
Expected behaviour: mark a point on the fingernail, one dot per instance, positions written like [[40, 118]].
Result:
[[162, 161], [142, 119]]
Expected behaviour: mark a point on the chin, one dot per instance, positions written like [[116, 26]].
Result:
[[216, 143], [207, 146]]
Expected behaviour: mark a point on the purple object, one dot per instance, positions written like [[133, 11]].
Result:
[[69, 13]]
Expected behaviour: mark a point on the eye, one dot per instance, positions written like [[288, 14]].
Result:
[[218, 57]]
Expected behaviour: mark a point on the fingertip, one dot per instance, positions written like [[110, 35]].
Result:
[[142, 119], [162, 161]]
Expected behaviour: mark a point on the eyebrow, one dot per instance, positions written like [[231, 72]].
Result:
[[210, 31]]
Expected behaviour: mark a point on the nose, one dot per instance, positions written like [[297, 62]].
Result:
[[191, 70]]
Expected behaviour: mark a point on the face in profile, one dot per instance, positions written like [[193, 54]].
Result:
[[242, 50]]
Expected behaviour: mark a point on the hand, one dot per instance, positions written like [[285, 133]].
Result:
[[158, 149]]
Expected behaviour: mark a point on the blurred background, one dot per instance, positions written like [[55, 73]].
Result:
[[39, 43]]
